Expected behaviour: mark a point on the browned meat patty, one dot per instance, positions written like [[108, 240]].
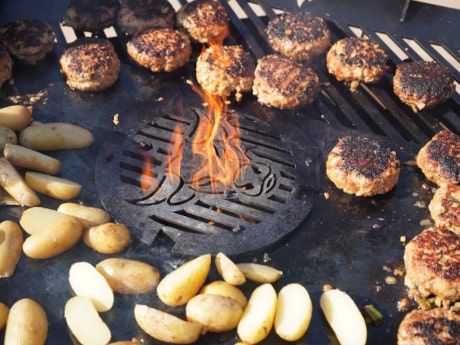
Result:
[[224, 70], [138, 15], [6, 66], [284, 83], [362, 166], [355, 60], [28, 40], [298, 35], [438, 326], [205, 21], [91, 15], [439, 158], [445, 208], [90, 65], [423, 84], [160, 50], [432, 260]]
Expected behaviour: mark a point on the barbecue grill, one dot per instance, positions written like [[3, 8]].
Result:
[[288, 214]]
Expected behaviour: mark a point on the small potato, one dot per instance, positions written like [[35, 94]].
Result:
[[228, 270], [37, 218], [178, 286], [133, 341], [4, 311], [222, 288], [11, 240], [260, 273], [53, 186], [27, 324], [85, 323], [108, 238], [86, 281], [166, 327], [24, 157], [127, 276], [293, 312], [59, 237], [15, 117], [14, 184], [89, 216], [344, 317], [215, 313], [259, 315], [55, 136], [7, 136]]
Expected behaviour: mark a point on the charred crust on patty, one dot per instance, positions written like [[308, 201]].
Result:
[[6, 66], [91, 15], [445, 208]]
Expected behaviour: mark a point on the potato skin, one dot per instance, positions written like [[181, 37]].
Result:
[[127, 276], [11, 240], [221, 287], [108, 238], [15, 117], [7, 136], [4, 311], [89, 216]]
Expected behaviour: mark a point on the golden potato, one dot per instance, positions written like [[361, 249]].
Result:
[[221, 287], [133, 341], [127, 276], [24, 157], [27, 323], [260, 273], [15, 117], [228, 270], [11, 240], [215, 313], [7, 136], [4, 311], [37, 218], [53, 186], [108, 238], [89, 216]]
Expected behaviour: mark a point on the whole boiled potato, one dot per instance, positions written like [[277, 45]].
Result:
[[89, 216], [108, 238], [4, 311], [11, 240], [221, 287]]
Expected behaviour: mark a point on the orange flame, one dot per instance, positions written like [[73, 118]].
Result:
[[147, 177]]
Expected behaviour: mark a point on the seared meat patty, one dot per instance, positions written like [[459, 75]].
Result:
[[423, 84], [224, 70], [432, 260], [445, 208], [284, 83], [28, 40], [6, 66], [355, 60], [205, 21], [91, 15], [90, 65], [298, 35], [160, 50], [439, 158], [362, 166], [430, 327], [138, 15]]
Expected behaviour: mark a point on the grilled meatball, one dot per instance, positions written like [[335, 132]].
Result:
[[6, 66], [90, 65], [362, 166], [445, 208], [205, 21], [439, 158], [28, 40], [432, 261], [355, 60], [91, 15], [284, 83], [159, 50], [430, 327], [224, 70], [138, 15], [298, 35], [423, 84]]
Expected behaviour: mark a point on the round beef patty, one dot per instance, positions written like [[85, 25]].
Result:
[[445, 208], [91, 15], [6, 66]]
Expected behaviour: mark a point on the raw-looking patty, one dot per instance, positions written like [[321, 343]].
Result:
[[298, 35], [284, 83], [91, 15], [160, 50], [423, 84], [438, 326], [439, 158], [29, 40], [205, 21], [445, 208], [362, 166], [6, 66], [138, 15], [355, 60], [432, 261], [224, 70], [90, 65]]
